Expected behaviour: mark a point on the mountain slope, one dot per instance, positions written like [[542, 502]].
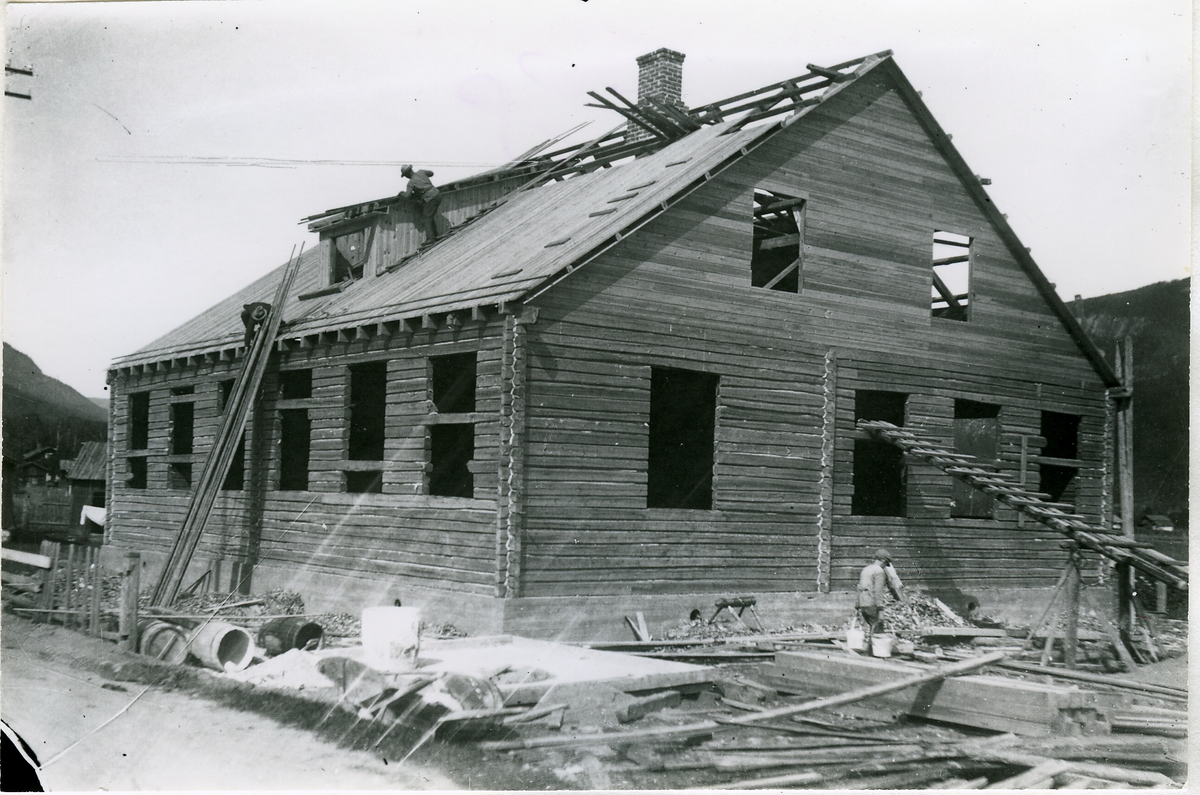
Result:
[[40, 410], [1158, 319]]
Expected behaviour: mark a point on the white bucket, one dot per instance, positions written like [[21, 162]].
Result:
[[881, 645], [856, 639], [391, 638]]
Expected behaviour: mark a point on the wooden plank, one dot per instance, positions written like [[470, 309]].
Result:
[[28, 558]]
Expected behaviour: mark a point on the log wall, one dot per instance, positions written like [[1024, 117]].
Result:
[[402, 533]]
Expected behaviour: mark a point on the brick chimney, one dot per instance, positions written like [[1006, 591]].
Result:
[[660, 75]]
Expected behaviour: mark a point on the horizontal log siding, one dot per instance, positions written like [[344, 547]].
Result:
[[678, 294], [401, 533]]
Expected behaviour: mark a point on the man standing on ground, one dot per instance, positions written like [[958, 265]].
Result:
[[873, 583], [420, 188]]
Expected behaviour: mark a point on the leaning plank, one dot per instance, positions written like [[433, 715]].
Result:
[[1097, 679], [701, 728], [28, 558]]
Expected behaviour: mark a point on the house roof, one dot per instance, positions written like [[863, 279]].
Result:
[[578, 202], [90, 464]]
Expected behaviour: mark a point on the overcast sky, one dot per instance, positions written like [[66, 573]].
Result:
[[171, 148]]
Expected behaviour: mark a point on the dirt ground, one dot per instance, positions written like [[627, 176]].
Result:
[[62, 693]]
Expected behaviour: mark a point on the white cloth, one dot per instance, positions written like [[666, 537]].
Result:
[[97, 515]]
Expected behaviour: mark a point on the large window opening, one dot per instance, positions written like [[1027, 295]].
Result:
[[453, 383], [182, 424], [452, 447], [683, 412], [951, 276], [294, 434], [879, 477], [139, 420], [776, 259], [1058, 476], [368, 403], [976, 433]]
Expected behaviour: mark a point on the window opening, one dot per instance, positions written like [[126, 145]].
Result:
[[951, 276], [452, 447], [369, 482], [235, 479], [183, 390], [179, 475], [879, 475], [348, 254], [1059, 480], [295, 384], [368, 401], [182, 423], [139, 420], [294, 434], [453, 383], [1061, 432], [224, 391], [683, 412], [137, 473], [775, 261], [976, 433]]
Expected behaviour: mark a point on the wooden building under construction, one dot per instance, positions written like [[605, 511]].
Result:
[[627, 376]]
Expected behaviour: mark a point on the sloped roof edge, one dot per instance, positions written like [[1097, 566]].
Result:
[[969, 181]]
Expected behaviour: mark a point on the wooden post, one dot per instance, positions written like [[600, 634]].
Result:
[[69, 589], [130, 588], [97, 590], [1071, 631], [1125, 588]]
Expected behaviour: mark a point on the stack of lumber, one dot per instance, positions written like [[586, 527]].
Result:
[[987, 702]]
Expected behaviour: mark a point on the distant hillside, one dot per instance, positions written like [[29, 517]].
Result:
[[40, 410], [102, 403], [1158, 319]]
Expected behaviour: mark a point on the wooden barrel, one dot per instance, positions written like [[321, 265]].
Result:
[[162, 641]]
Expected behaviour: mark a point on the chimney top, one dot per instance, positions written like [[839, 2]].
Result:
[[660, 75]]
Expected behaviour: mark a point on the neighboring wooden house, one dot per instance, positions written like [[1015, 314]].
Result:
[[86, 476], [629, 379]]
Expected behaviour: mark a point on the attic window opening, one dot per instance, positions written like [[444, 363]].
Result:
[[951, 276], [139, 421], [368, 402], [348, 255], [776, 258], [879, 477], [683, 411]]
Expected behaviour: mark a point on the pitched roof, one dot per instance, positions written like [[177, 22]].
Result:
[[540, 233], [90, 464]]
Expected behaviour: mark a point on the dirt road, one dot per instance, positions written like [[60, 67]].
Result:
[[164, 739]]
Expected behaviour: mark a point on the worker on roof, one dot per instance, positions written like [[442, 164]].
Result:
[[421, 190], [876, 578]]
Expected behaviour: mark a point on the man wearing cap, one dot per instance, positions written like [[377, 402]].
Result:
[[873, 583], [420, 189]]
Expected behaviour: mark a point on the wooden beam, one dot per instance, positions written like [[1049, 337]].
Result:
[[832, 74], [944, 291], [782, 274]]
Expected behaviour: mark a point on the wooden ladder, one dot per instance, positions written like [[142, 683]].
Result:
[[216, 464], [982, 476]]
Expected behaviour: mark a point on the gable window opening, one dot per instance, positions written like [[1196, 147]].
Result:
[[452, 386], [951, 272], [880, 479], [1059, 460], [683, 421], [776, 257]]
